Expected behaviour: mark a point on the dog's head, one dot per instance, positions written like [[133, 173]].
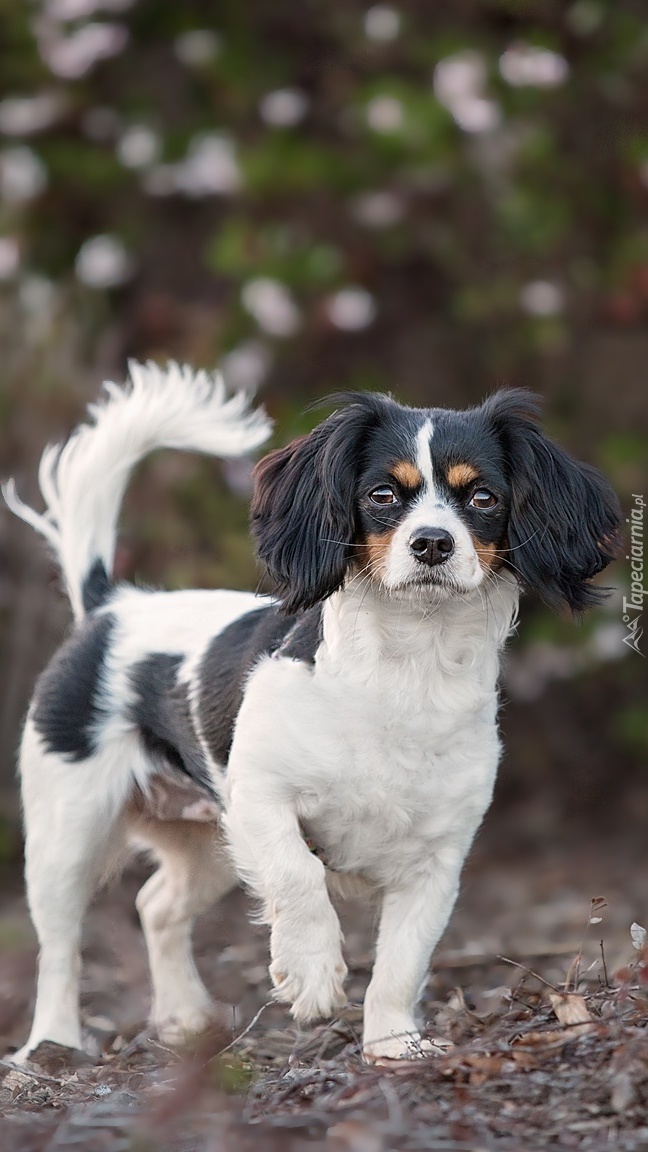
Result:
[[429, 503]]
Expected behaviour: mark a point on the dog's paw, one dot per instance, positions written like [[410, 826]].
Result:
[[314, 988], [308, 973], [182, 1027], [50, 1056], [404, 1048]]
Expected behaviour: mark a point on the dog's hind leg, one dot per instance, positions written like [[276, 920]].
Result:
[[195, 872], [73, 837]]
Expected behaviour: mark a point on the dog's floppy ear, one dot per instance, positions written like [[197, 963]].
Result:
[[303, 507], [564, 518]]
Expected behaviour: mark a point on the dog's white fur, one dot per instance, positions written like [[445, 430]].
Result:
[[390, 752], [387, 750]]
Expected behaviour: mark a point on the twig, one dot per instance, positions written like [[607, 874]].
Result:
[[529, 971], [597, 904], [573, 972], [605, 971], [163, 1048], [26, 1070], [520, 1000], [268, 1004], [461, 960]]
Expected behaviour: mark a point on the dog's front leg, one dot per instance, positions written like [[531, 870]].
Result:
[[307, 967], [413, 917]]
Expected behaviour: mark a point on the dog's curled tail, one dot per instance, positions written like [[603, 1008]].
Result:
[[83, 480]]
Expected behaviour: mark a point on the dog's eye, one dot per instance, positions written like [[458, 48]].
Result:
[[482, 498], [383, 495]]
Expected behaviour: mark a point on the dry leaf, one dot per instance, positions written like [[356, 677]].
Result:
[[17, 1081], [476, 1079], [638, 936], [525, 1061], [479, 1066], [488, 1066], [570, 1008], [550, 1039], [623, 975]]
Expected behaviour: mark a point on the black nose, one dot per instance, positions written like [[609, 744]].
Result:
[[432, 545]]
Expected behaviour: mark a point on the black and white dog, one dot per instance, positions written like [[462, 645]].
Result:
[[355, 714]]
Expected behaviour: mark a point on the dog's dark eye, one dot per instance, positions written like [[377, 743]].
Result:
[[383, 495], [482, 498]]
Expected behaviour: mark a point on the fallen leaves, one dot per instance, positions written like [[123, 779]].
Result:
[[636, 972], [552, 1053], [570, 1009]]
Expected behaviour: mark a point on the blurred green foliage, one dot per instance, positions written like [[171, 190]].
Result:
[[548, 183], [632, 729], [233, 1074]]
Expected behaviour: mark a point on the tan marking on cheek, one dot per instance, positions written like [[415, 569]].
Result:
[[407, 474], [459, 475], [373, 553], [488, 555]]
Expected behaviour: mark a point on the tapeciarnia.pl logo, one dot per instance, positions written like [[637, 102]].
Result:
[[633, 604]]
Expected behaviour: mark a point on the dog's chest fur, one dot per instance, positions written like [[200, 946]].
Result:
[[388, 746]]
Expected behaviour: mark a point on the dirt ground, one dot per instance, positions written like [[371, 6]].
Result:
[[532, 1067]]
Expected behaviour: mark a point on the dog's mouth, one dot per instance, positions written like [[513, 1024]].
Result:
[[434, 585]]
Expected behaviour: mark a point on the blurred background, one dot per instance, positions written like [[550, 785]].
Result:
[[432, 199]]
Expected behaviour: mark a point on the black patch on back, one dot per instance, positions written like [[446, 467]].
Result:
[[232, 655], [67, 700], [97, 587], [162, 714]]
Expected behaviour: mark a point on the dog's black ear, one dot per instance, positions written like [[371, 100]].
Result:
[[304, 505], [564, 518]]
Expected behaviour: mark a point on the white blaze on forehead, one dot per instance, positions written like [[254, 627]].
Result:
[[424, 456], [431, 509]]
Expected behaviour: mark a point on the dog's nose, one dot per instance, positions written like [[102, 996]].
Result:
[[432, 546]]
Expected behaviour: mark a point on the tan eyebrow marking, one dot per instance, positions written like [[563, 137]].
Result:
[[461, 474], [407, 474]]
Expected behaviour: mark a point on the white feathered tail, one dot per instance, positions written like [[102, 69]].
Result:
[[83, 480]]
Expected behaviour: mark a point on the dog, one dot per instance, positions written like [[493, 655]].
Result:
[[345, 727]]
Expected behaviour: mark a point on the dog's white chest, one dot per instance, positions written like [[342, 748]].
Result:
[[399, 788], [381, 775]]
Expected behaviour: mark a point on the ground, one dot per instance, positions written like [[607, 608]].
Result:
[[532, 1066]]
